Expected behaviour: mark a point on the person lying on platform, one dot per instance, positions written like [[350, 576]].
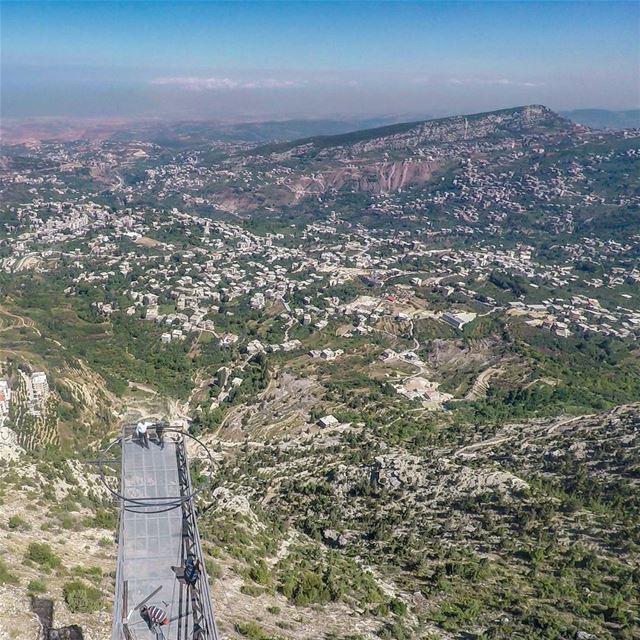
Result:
[[154, 617]]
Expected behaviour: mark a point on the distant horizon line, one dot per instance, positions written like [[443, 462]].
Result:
[[247, 118]]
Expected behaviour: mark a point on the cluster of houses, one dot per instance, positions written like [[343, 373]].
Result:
[[185, 291], [559, 315], [37, 393]]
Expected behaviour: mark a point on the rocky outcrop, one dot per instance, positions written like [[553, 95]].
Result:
[[385, 159], [383, 177], [522, 122], [441, 477], [334, 538]]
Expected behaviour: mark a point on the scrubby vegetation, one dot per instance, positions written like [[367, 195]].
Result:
[[42, 554], [6, 577], [81, 597]]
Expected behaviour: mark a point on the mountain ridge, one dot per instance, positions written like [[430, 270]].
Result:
[[390, 158], [528, 113]]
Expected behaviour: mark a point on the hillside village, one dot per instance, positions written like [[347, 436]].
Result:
[[230, 262]]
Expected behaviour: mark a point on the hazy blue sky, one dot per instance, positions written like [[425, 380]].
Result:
[[282, 59]]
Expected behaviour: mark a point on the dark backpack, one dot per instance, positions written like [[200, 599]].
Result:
[[191, 573]]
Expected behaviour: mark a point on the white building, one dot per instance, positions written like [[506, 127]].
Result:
[[253, 347], [151, 313], [457, 320], [39, 387], [5, 397], [228, 339], [257, 301], [328, 421]]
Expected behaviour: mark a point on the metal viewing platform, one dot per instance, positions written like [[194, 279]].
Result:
[[158, 533]]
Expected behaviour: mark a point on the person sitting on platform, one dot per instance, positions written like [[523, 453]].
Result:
[[154, 617], [190, 572]]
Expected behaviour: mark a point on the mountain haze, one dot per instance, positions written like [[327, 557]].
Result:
[[605, 119]]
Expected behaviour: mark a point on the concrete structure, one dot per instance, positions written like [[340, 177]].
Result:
[[5, 398], [328, 421], [458, 320], [39, 387]]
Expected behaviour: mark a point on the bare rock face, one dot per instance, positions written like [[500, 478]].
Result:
[[232, 202], [9, 447], [383, 177], [467, 481], [386, 159], [442, 477], [227, 500], [334, 538], [525, 120], [395, 470]]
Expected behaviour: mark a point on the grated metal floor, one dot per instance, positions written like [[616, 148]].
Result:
[[151, 539]]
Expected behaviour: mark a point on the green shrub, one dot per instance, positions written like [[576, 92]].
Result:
[[81, 597], [253, 631], [251, 590], [6, 577], [42, 555], [214, 570], [104, 519], [306, 588], [259, 572], [398, 607], [68, 522], [37, 586], [91, 573], [16, 522]]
